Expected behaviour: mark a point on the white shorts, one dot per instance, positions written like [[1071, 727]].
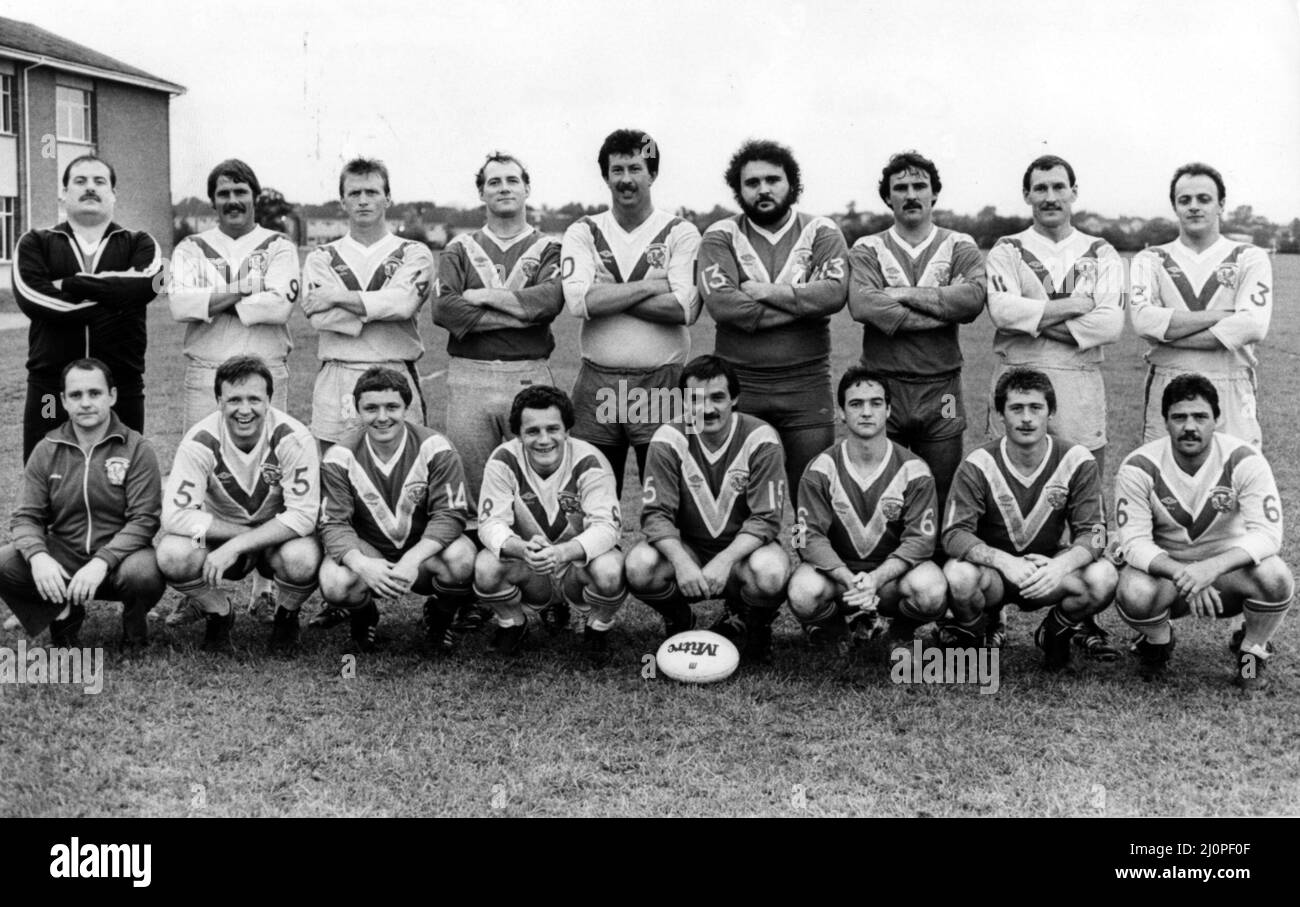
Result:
[[1237, 406], [333, 411], [1080, 416]]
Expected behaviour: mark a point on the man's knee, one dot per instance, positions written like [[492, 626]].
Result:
[[926, 590], [769, 570], [178, 559], [489, 572], [963, 580], [139, 577], [1275, 581], [606, 573], [1099, 581], [809, 589], [1138, 595], [458, 559], [297, 561], [338, 583], [642, 566]]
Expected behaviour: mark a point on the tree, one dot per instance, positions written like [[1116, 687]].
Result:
[[272, 210]]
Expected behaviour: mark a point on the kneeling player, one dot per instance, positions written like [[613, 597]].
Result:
[[1015, 502], [867, 525], [243, 494], [549, 525], [1200, 528], [393, 517], [714, 492]]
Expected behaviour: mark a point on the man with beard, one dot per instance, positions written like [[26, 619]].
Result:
[[84, 285], [771, 278], [629, 274], [1200, 528], [233, 287]]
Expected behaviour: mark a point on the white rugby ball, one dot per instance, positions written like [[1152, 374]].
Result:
[[698, 656]]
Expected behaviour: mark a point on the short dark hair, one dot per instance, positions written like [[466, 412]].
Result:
[[238, 368], [706, 368], [382, 378], [87, 364], [903, 162], [1197, 168], [631, 143], [364, 166], [89, 158], [540, 396], [857, 375], [769, 153], [499, 157], [236, 171], [1189, 386], [1023, 380], [1047, 162]]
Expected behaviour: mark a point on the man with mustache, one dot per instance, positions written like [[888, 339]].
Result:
[[84, 284], [1024, 527], [1203, 303], [629, 274], [363, 292], [771, 278], [1056, 297], [233, 287], [1200, 528]]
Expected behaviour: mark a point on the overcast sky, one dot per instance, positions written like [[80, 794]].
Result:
[[1125, 90]]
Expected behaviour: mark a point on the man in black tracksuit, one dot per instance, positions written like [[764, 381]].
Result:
[[84, 285]]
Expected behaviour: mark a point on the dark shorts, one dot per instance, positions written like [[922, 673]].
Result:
[[623, 406], [798, 398], [926, 409]]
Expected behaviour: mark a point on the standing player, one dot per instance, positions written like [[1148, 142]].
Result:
[[363, 292], [1200, 528], [233, 287], [498, 291], [712, 512], [243, 494], [910, 286], [867, 523], [1024, 526], [771, 278], [549, 525], [85, 520], [393, 516], [1055, 296], [84, 285], [629, 274], [1203, 302]]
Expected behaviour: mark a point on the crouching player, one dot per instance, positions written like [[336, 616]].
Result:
[[549, 525], [243, 494], [713, 498], [1024, 527], [1200, 527], [393, 517], [867, 526]]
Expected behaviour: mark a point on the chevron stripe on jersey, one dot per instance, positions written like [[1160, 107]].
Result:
[[932, 267], [867, 508], [1031, 513], [509, 269], [253, 261], [243, 479], [1205, 504], [655, 254], [1195, 301], [794, 272], [1080, 280], [552, 506]]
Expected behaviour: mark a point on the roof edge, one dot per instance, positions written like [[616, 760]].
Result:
[[170, 88]]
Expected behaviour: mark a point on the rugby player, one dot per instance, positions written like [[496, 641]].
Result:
[[711, 513], [629, 274], [393, 517], [1203, 304], [771, 278], [867, 526], [549, 525], [1024, 526], [1200, 529], [362, 294], [243, 495]]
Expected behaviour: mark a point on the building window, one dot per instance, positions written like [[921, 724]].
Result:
[[76, 122], [6, 104], [7, 225]]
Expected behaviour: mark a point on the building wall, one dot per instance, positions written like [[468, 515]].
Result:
[[133, 137], [44, 175]]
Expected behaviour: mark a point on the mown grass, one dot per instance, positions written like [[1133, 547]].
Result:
[[183, 733]]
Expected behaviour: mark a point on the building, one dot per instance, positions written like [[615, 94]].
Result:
[[59, 100]]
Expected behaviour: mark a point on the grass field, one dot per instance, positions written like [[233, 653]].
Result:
[[183, 733]]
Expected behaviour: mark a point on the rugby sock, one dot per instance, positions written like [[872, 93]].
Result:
[[1157, 629], [825, 611], [669, 602], [601, 609], [260, 585], [291, 596], [451, 598], [758, 611], [211, 600], [507, 605], [1262, 621], [908, 610]]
